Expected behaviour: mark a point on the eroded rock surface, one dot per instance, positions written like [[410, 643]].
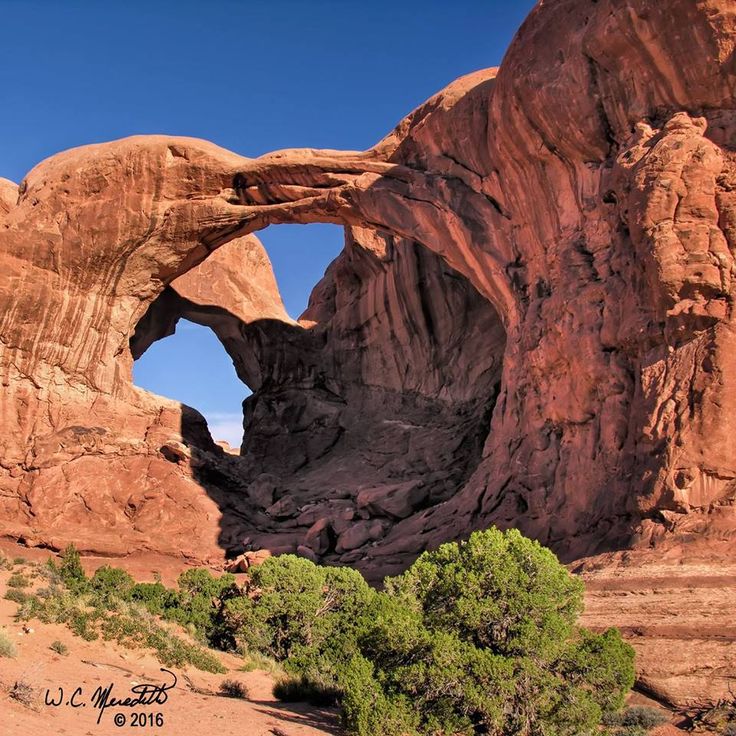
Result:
[[531, 324]]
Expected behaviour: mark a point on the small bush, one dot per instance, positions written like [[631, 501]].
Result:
[[18, 580], [202, 660], [26, 694], [175, 652], [49, 572], [154, 596], [71, 571], [15, 595], [111, 583], [730, 730], [82, 624], [29, 608], [302, 689], [100, 612], [7, 647], [257, 661], [59, 648], [642, 716], [234, 689], [19, 561]]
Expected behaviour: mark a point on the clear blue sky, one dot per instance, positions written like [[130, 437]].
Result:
[[250, 76]]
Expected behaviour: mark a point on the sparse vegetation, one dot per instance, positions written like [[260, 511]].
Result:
[[71, 571], [257, 661], [15, 595], [26, 694], [7, 646], [475, 638], [718, 718], [105, 605], [233, 689], [634, 721], [18, 580], [59, 648], [127, 624], [303, 689]]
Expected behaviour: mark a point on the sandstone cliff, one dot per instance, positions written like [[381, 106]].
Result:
[[531, 323]]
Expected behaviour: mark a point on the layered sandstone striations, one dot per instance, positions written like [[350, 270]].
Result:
[[531, 323]]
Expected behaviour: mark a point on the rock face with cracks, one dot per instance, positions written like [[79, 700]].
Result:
[[531, 323]]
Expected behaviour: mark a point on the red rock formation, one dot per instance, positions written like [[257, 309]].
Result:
[[552, 243]]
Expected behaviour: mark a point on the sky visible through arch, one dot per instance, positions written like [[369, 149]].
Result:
[[252, 76]]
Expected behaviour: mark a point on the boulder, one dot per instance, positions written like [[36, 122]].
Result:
[[397, 500], [358, 535], [320, 537]]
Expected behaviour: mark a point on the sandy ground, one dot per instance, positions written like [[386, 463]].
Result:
[[192, 707]]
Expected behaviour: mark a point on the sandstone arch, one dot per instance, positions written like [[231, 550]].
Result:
[[585, 190]]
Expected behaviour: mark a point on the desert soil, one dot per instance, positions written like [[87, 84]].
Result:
[[192, 704]]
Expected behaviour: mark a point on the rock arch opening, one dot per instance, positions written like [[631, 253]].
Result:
[[192, 367], [300, 255], [371, 410]]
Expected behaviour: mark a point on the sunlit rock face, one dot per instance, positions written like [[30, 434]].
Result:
[[531, 323]]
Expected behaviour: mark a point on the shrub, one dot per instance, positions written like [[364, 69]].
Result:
[[26, 694], [257, 661], [49, 572], [154, 596], [19, 560], [29, 608], [71, 570], [7, 646], [59, 647], [200, 581], [300, 614], [18, 580], [498, 590], [730, 730], [642, 717], [15, 595], [368, 710], [110, 583], [303, 689], [196, 605], [233, 689], [480, 637], [82, 624], [174, 652]]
